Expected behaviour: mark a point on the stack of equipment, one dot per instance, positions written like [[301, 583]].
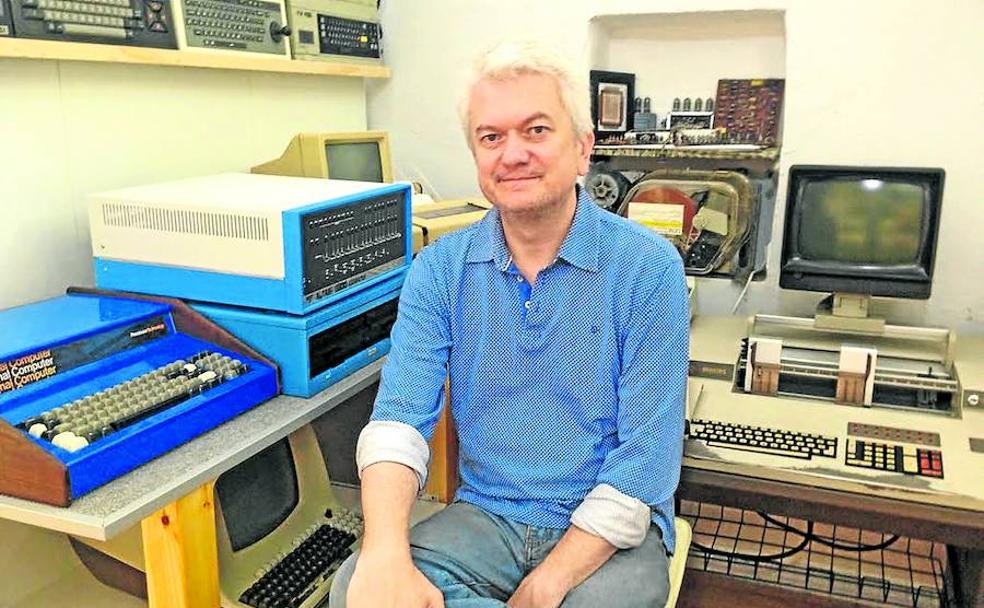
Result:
[[308, 271]]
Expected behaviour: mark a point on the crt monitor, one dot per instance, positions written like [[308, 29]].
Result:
[[861, 230], [277, 519], [258, 495], [360, 156]]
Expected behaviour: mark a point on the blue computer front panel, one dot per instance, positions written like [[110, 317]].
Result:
[[286, 294], [290, 340], [293, 243]]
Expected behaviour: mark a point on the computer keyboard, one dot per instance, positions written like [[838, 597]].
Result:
[[129, 22], [241, 25], [763, 440], [348, 37], [894, 458], [72, 426], [292, 578]]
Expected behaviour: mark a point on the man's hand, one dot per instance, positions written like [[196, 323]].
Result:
[[540, 589], [386, 581], [384, 575], [574, 558]]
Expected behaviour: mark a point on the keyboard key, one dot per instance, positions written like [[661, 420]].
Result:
[[90, 418], [894, 458]]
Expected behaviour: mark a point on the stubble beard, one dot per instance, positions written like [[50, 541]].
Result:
[[544, 205]]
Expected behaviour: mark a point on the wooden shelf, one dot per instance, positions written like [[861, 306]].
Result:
[[108, 53]]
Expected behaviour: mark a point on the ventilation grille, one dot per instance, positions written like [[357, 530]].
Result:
[[228, 225]]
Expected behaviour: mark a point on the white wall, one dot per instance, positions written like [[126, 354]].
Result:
[[69, 129], [881, 82], [684, 55]]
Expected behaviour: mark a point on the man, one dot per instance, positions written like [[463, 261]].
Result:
[[564, 331]]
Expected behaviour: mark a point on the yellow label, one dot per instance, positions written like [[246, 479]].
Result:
[[664, 219]]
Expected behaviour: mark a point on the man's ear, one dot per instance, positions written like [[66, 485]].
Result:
[[586, 144]]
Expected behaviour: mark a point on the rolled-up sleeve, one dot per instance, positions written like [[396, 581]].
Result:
[[643, 470], [412, 383]]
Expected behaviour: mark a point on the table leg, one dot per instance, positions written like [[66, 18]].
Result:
[[967, 567], [180, 553]]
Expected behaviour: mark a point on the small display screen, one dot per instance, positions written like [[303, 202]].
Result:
[[358, 161], [258, 495], [861, 221]]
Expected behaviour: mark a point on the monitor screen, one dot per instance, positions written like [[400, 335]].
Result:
[[258, 495], [359, 161], [862, 222], [870, 231]]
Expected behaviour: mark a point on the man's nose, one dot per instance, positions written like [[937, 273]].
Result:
[[515, 151]]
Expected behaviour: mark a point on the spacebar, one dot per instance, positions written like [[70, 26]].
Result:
[[758, 448], [79, 29]]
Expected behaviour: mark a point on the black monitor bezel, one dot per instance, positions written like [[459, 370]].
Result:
[[912, 281]]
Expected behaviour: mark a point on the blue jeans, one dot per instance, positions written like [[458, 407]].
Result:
[[478, 559]]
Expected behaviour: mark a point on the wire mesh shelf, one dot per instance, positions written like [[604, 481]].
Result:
[[823, 558]]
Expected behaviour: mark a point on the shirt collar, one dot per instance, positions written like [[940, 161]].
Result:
[[580, 246]]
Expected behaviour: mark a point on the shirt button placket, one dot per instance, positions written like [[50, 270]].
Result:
[[532, 338]]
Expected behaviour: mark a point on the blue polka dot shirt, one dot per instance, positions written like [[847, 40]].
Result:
[[556, 388]]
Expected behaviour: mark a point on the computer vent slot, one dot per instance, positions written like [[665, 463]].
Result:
[[229, 225]]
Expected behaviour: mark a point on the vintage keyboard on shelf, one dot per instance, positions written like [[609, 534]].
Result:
[[92, 387], [144, 23]]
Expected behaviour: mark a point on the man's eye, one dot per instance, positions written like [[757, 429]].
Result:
[[490, 138], [539, 129]]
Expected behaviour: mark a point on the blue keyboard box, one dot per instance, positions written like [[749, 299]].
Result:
[[61, 350]]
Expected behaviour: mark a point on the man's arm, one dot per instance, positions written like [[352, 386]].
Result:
[[392, 453], [644, 468], [388, 492]]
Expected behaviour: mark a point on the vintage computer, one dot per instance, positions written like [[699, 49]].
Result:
[[281, 529], [285, 518], [846, 400], [336, 30], [269, 242], [281, 533], [360, 156], [857, 232]]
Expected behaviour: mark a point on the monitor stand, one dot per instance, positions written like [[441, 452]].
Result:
[[848, 312]]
